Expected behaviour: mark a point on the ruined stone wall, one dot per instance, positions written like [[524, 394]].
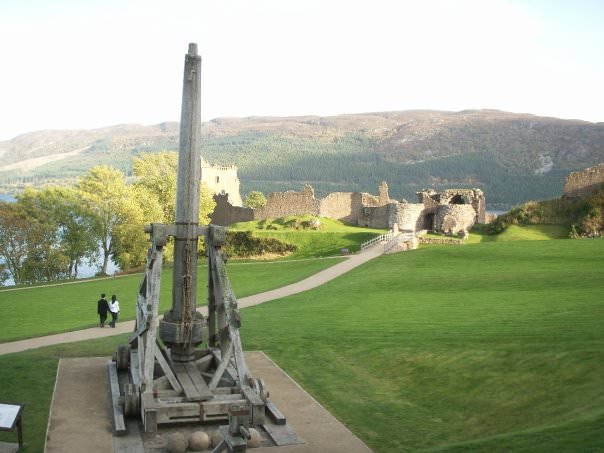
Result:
[[344, 206], [449, 211], [473, 197], [410, 216], [454, 218], [581, 183], [376, 216], [280, 204]]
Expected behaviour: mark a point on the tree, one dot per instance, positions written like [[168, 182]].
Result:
[[156, 173], [255, 200], [105, 194], [14, 229], [67, 221], [156, 176], [130, 242]]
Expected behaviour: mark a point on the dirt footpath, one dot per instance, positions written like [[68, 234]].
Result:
[[80, 416]]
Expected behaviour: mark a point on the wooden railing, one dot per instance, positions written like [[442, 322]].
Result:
[[396, 240], [377, 240]]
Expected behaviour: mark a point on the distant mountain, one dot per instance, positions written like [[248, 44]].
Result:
[[512, 157]]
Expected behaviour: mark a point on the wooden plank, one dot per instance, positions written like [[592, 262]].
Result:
[[256, 404], [275, 414], [117, 412], [224, 363], [134, 368], [142, 328], [204, 363], [282, 435], [191, 382], [153, 289], [199, 381], [161, 360]]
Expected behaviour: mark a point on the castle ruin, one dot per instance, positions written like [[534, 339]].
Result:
[[581, 183], [222, 179], [451, 211]]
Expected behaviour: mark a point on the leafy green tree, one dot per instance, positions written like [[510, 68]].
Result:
[[156, 173], [255, 200], [130, 242], [105, 194], [62, 213], [156, 176], [14, 234]]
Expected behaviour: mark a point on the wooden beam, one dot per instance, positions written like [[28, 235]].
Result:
[[117, 411], [169, 374], [224, 363], [275, 414]]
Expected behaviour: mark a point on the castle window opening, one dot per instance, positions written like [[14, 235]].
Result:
[[457, 199], [217, 179]]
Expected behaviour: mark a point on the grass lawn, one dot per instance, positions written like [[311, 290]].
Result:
[[520, 233], [40, 311], [485, 347], [328, 241], [29, 378], [493, 344]]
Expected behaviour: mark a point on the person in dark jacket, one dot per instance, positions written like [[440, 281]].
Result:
[[102, 309]]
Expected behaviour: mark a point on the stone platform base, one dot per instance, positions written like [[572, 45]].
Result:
[[9, 447], [80, 414]]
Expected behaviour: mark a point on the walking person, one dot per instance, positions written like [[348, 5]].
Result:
[[102, 309], [114, 308]]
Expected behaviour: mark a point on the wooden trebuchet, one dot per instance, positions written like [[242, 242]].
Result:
[[165, 376]]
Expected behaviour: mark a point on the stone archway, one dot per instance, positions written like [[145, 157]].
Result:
[[429, 222]]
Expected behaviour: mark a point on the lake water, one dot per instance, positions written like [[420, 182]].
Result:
[[84, 270], [7, 197]]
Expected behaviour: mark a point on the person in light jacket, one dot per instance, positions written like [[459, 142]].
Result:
[[114, 309]]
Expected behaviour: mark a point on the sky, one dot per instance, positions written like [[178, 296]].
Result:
[[71, 64]]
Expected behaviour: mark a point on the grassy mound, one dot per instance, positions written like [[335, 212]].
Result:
[[331, 236], [518, 233], [583, 217]]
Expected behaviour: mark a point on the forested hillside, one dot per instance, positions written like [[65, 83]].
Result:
[[511, 157]]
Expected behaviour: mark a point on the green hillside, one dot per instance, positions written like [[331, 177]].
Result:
[[511, 157]]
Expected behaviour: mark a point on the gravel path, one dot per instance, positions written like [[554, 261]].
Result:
[[128, 326]]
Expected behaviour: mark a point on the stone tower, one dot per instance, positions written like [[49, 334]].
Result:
[[223, 180]]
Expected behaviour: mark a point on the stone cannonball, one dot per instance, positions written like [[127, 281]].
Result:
[[199, 441], [176, 443], [255, 438]]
